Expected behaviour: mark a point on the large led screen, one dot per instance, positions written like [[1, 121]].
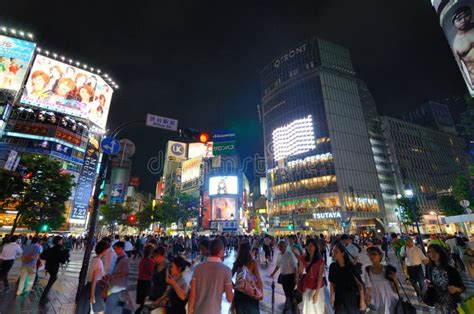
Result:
[[224, 208], [294, 138], [457, 22], [223, 185], [15, 57], [60, 87]]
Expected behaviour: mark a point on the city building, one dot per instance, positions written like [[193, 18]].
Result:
[[321, 173], [426, 159], [434, 115]]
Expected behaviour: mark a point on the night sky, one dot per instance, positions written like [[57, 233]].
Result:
[[199, 61]]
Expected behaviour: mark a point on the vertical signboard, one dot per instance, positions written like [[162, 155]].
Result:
[[224, 142], [86, 182], [455, 18]]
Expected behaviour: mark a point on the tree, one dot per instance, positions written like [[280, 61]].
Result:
[[187, 207], [408, 216], [461, 188], [114, 213], [146, 217], [42, 202], [11, 183], [450, 205], [167, 210]]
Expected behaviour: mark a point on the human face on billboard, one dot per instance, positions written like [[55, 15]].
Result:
[[56, 86], [15, 57], [223, 208]]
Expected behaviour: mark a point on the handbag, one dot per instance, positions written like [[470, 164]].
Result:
[[245, 283], [279, 280], [104, 288], [404, 306], [431, 296], [297, 296]]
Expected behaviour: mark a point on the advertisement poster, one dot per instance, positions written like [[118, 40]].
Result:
[[457, 22], [57, 86], [224, 208], [86, 182], [15, 57], [117, 192], [222, 185]]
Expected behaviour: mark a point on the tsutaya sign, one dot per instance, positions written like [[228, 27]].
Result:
[[327, 215], [290, 54]]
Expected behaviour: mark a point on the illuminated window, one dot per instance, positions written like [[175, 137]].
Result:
[[294, 138]]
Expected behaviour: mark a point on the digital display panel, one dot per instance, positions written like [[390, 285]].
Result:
[[223, 185], [224, 208]]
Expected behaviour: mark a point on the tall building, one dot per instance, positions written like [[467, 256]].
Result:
[[434, 115], [321, 172], [427, 159]]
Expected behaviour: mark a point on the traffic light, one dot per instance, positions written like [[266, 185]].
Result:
[[132, 218], [194, 135]]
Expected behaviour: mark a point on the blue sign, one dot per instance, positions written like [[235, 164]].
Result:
[[223, 135], [110, 146]]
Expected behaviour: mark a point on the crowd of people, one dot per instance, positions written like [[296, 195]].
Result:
[[309, 282]]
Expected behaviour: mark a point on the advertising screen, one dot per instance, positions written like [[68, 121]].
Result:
[[85, 182], [224, 208], [222, 185], [60, 87], [457, 22], [294, 138], [15, 57], [200, 150], [191, 169]]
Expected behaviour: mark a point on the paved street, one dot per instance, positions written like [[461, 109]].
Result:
[[63, 292]]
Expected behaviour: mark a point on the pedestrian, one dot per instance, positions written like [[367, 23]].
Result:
[[455, 247], [381, 284], [346, 286], [118, 299], [128, 247], [145, 273], [414, 258], [444, 279], [384, 247], [210, 279], [54, 256], [352, 250], [109, 258], [10, 252], [28, 265], [176, 295], [243, 303], [397, 244], [295, 246], [204, 249], [266, 248], [158, 279], [323, 248], [256, 249], [311, 284], [287, 265], [95, 283], [194, 248]]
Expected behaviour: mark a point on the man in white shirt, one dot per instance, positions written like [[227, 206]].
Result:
[[288, 266], [10, 252], [352, 249], [414, 257]]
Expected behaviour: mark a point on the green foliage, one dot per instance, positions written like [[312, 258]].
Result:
[[409, 216], [42, 201], [11, 183], [146, 217], [114, 213], [181, 207], [450, 205], [461, 188]]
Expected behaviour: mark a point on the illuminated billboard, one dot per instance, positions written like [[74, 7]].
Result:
[[223, 185], [293, 138], [457, 23], [175, 151], [224, 208], [191, 169], [60, 87], [15, 57], [200, 150]]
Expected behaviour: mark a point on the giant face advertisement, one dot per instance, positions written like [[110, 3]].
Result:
[[57, 86], [224, 208], [457, 22], [15, 57]]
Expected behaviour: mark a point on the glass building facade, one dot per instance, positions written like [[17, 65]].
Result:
[[320, 166]]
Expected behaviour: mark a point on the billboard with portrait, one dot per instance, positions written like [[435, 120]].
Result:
[[57, 86], [456, 19], [224, 208], [223, 185], [15, 57]]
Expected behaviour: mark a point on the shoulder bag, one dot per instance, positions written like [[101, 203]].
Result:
[[404, 306], [246, 283]]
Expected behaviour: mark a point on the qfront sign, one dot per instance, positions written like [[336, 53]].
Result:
[[328, 215], [290, 54]]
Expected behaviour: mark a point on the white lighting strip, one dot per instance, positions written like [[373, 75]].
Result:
[[294, 138]]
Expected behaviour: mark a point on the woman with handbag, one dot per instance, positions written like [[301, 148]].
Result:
[[97, 286], [444, 281], [311, 283], [380, 284], [346, 286], [247, 269]]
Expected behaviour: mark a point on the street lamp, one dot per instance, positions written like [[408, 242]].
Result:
[[409, 195]]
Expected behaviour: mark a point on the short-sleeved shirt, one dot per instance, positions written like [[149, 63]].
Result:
[[98, 266], [34, 250], [287, 263], [122, 266], [210, 278]]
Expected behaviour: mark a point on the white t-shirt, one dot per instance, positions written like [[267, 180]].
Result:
[[98, 266], [128, 246]]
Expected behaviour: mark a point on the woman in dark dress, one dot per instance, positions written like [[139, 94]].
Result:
[[347, 288], [445, 279], [242, 302], [158, 280]]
